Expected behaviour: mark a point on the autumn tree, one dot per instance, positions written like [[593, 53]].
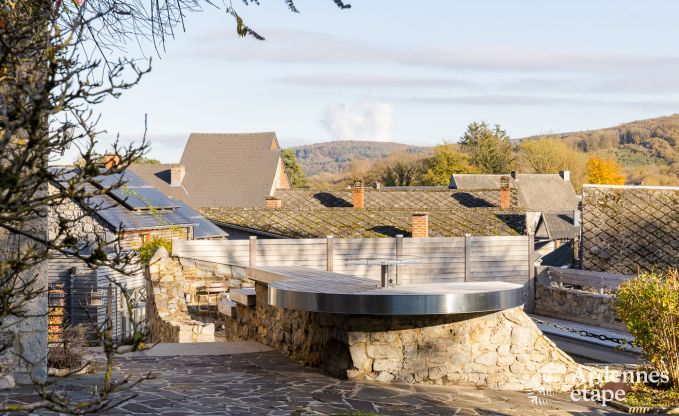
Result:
[[604, 171], [293, 169], [489, 150], [446, 161], [546, 155]]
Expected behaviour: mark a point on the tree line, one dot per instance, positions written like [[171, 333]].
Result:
[[482, 149]]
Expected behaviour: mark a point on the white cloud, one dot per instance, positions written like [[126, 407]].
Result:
[[367, 120]]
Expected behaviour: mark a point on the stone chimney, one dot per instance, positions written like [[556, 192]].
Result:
[[177, 175], [565, 175], [420, 225], [272, 202], [505, 195], [110, 160], [359, 194]]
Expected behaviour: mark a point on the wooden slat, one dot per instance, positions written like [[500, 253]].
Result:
[[587, 278]]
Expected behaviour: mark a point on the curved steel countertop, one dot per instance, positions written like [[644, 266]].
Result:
[[314, 290]]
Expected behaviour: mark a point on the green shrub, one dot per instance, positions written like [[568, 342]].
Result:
[[649, 304], [148, 249]]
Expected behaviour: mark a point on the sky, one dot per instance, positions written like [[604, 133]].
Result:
[[409, 72]]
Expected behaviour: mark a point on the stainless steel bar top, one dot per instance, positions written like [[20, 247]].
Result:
[[306, 289]]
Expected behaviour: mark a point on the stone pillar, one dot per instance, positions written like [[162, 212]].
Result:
[[420, 225]]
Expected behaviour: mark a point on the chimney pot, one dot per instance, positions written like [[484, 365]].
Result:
[[565, 175], [420, 225], [359, 194], [513, 174], [272, 203], [177, 175], [111, 160], [505, 195]]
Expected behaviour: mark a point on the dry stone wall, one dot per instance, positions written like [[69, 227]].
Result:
[[577, 305], [168, 317], [501, 350], [170, 280]]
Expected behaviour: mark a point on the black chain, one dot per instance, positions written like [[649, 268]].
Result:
[[583, 332]]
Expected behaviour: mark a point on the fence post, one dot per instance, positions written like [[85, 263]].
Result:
[[467, 257], [530, 302], [71, 298], [253, 250], [399, 254], [329, 252]]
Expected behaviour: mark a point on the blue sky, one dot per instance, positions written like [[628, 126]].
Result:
[[411, 72]]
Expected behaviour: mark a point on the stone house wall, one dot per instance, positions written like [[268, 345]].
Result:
[[87, 227], [500, 350]]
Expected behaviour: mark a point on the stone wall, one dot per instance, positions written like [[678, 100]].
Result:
[[501, 350], [24, 338], [86, 227], [198, 273], [167, 313], [576, 305]]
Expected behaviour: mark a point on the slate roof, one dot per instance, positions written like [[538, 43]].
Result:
[[471, 181], [629, 228], [360, 223], [397, 198], [557, 226], [116, 212], [222, 170], [535, 192]]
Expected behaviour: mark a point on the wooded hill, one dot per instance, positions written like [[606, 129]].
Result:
[[335, 157], [647, 149]]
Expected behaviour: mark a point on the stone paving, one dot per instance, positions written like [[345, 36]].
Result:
[[268, 383]]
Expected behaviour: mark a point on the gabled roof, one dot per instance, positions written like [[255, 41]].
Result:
[[471, 181], [139, 206], [557, 226], [369, 223], [536, 192], [222, 170], [398, 198]]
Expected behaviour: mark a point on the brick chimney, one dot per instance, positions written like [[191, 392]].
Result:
[[177, 175], [359, 194], [272, 203], [110, 160], [420, 225], [505, 195], [565, 175]]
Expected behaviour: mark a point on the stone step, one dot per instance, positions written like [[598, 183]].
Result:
[[228, 308], [245, 296]]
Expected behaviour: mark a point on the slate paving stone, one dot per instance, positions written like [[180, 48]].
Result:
[[271, 384]]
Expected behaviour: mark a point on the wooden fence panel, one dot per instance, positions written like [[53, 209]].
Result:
[[440, 259]]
